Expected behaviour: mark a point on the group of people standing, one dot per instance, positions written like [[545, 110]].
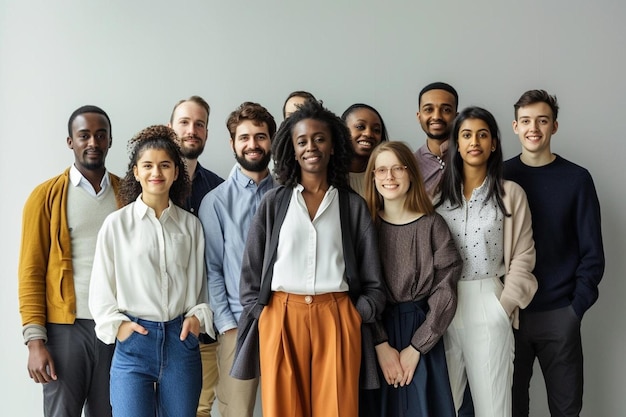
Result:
[[359, 278]]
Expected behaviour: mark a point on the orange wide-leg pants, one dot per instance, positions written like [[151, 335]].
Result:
[[310, 352]]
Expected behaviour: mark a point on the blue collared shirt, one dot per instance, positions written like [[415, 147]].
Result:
[[226, 213]]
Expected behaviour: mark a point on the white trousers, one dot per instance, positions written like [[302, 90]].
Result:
[[480, 348]]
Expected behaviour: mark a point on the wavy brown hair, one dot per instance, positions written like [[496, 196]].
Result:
[[254, 112], [155, 137]]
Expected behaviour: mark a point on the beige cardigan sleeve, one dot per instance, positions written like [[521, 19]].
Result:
[[520, 284]]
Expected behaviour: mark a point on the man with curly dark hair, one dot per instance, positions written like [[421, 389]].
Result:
[[313, 246], [190, 121], [61, 220]]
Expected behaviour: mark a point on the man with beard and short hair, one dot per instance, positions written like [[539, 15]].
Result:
[[226, 213], [61, 220], [190, 119], [438, 103]]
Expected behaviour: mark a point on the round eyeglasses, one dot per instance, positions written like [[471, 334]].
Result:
[[397, 171]]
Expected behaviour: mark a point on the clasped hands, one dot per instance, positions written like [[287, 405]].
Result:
[[398, 367]]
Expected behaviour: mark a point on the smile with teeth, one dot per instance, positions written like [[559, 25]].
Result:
[[312, 157]]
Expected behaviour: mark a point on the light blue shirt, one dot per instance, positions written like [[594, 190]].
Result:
[[226, 213]]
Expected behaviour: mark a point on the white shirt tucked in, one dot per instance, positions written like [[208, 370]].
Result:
[[309, 259], [148, 267]]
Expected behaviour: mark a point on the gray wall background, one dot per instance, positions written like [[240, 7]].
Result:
[[135, 59]]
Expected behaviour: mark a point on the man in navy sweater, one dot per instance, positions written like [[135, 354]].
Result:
[[570, 259], [190, 121]]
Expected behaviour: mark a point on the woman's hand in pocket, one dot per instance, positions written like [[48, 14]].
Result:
[[129, 327], [191, 324]]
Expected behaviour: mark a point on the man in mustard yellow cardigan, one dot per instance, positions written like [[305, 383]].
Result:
[[61, 220]]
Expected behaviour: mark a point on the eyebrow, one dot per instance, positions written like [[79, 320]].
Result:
[[311, 134], [189, 118], [159, 162], [479, 130], [363, 120], [440, 105], [87, 130]]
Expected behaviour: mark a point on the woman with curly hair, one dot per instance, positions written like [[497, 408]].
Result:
[[310, 275], [148, 284]]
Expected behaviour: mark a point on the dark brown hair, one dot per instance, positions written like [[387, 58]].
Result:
[[537, 96], [155, 137], [253, 112]]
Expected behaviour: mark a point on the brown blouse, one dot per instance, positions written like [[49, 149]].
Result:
[[419, 260]]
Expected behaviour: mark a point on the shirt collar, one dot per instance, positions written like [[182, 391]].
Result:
[[141, 209], [479, 192], [443, 148], [244, 181], [199, 172], [300, 188], [76, 177]]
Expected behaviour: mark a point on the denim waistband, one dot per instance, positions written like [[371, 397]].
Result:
[[178, 321]]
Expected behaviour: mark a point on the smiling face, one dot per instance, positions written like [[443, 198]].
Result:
[[475, 143], [365, 130], [156, 172], [313, 146], [190, 122], [391, 177], [535, 126], [436, 113], [252, 145], [90, 141]]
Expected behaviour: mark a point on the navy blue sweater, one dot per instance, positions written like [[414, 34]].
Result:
[[567, 233]]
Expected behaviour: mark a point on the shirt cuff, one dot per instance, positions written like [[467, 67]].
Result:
[[34, 332]]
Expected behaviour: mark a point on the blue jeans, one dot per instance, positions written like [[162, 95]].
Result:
[[156, 373]]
